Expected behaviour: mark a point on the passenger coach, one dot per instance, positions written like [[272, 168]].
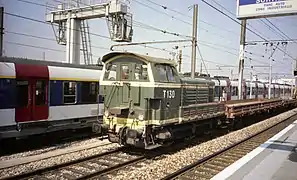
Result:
[[40, 96]]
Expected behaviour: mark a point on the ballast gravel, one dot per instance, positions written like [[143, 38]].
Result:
[[156, 169], [51, 148], [55, 160]]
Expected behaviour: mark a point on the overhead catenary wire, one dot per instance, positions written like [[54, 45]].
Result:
[[166, 7], [95, 34], [272, 29], [246, 28], [154, 28], [282, 33], [39, 47], [46, 38], [235, 15], [170, 9], [151, 47], [202, 59], [143, 4], [34, 46], [136, 23], [39, 21]]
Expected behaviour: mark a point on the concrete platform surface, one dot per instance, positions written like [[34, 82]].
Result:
[[276, 159]]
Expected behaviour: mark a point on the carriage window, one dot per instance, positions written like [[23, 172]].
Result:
[[89, 91], [69, 92], [233, 91], [125, 72], [254, 91], [22, 93], [40, 93], [140, 72], [111, 72], [217, 91]]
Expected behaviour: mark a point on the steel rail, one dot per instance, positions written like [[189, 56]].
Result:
[[209, 157], [58, 166]]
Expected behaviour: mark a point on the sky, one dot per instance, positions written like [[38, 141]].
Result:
[[218, 36]]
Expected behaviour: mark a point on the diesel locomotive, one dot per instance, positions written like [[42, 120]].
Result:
[[148, 104]]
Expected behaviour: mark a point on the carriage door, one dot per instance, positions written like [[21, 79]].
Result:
[[31, 93]]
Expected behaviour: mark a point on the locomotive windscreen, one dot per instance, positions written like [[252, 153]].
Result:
[[126, 69]]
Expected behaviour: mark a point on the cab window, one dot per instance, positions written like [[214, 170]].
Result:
[[161, 71], [110, 72], [165, 73], [140, 72], [125, 72], [170, 74]]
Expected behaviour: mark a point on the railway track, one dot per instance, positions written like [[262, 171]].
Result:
[[208, 167], [86, 167], [101, 165], [12, 146]]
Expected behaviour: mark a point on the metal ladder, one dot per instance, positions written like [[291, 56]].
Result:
[[85, 39], [86, 42]]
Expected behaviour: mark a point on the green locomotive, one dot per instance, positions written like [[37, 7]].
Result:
[[147, 103]]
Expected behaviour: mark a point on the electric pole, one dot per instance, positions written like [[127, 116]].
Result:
[[241, 57], [1, 30], [179, 60], [251, 81], [270, 78], [194, 41]]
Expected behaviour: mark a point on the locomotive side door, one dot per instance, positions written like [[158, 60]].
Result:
[[125, 76], [31, 93]]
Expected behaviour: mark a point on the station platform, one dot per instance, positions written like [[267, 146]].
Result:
[[276, 159]]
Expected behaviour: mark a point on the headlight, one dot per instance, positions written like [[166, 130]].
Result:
[[140, 117], [106, 113]]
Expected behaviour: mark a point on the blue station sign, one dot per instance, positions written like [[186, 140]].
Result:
[[265, 8]]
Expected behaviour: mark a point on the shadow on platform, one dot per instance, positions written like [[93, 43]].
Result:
[[293, 156], [282, 147], [285, 146]]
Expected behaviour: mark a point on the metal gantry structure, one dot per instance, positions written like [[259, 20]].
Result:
[[73, 27]]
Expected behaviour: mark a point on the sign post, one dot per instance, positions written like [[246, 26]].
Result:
[[241, 57], [251, 9]]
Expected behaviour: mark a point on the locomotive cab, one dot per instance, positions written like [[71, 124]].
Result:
[[136, 93]]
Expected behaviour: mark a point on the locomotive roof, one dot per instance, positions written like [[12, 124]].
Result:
[[144, 57], [18, 60]]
